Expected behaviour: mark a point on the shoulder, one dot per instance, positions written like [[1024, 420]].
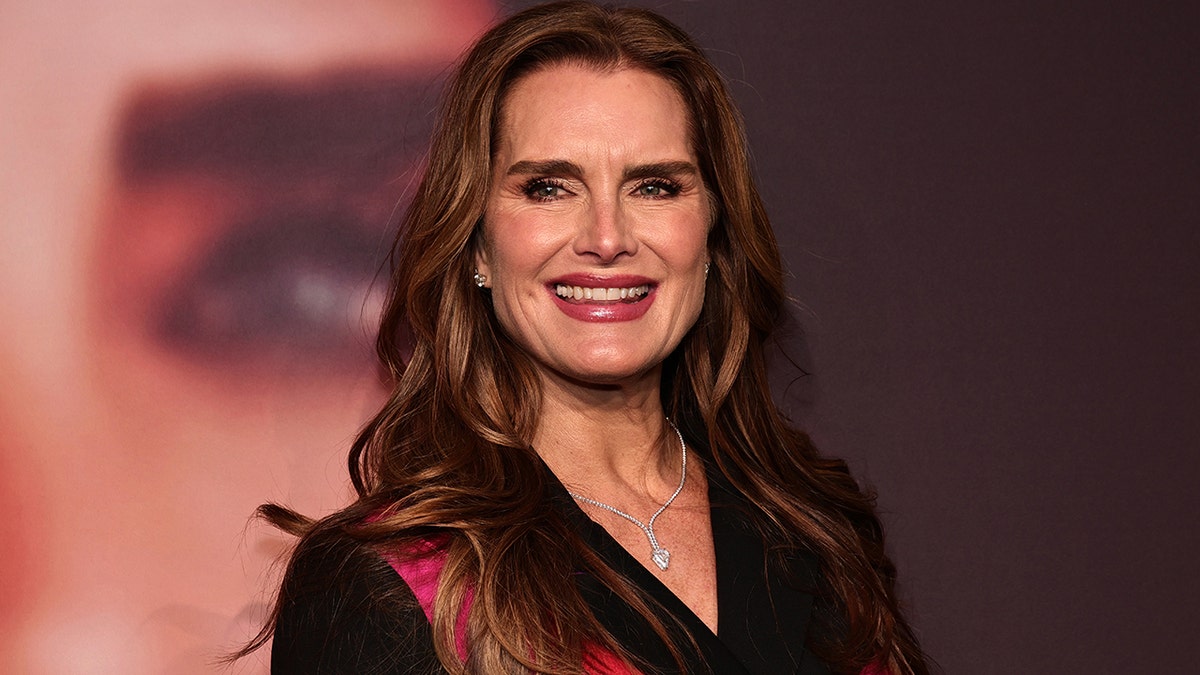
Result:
[[344, 609]]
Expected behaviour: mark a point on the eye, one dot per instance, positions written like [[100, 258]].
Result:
[[544, 189], [656, 188], [282, 281]]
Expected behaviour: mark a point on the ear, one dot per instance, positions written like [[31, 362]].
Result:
[[482, 267]]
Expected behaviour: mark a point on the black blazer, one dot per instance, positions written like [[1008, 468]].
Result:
[[335, 622]]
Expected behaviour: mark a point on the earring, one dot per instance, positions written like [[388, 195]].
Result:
[[480, 279], [706, 270]]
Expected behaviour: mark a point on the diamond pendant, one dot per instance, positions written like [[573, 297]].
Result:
[[662, 558]]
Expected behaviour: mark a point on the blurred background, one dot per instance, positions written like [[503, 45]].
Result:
[[197, 197], [989, 215]]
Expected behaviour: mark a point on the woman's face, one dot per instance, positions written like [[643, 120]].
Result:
[[595, 232]]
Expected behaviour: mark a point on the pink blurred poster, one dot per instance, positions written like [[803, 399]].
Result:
[[197, 200]]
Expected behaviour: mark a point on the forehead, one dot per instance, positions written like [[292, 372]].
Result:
[[575, 106]]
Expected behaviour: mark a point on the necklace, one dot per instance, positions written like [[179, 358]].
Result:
[[660, 555]]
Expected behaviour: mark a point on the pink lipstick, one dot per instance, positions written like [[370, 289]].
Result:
[[588, 297]]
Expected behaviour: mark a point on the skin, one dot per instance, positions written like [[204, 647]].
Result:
[[595, 176], [131, 462]]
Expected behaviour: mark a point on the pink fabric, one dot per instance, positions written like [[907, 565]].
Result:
[[875, 669], [421, 565], [601, 662]]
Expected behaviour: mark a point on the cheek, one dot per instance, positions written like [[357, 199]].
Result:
[[685, 243], [508, 272], [520, 245]]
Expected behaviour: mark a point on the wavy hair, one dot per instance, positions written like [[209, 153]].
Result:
[[453, 440]]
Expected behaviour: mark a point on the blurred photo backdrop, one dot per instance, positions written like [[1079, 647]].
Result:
[[197, 199], [988, 214]]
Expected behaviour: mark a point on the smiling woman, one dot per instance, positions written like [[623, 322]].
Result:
[[595, 187], [580, 468]]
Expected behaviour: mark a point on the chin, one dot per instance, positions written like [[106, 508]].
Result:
[[605, 377]]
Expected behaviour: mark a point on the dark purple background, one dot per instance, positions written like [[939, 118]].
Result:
[[990, 215]]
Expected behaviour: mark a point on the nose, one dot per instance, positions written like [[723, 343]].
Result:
[[605, 232]]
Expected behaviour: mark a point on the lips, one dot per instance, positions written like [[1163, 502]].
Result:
[[593, 298]]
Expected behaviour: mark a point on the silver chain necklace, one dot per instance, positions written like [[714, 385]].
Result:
[[660, 555]]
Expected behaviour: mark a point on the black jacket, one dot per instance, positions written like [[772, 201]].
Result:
[[336, 623]]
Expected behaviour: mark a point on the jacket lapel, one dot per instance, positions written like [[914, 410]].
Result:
[[763, 614], [764, 607]]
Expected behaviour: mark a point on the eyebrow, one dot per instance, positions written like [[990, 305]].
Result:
[[545, 167], [353, 120], [562, 167], [677, 168]]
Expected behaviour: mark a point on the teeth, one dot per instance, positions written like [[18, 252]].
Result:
[[600, 294]]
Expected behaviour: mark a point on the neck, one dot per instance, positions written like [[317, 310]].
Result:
[[608, 440]]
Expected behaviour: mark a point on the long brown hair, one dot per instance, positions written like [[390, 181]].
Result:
[[449, 453]]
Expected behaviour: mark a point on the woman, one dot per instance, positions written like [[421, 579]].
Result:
[[580, 468]]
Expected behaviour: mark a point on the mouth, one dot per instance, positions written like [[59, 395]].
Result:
[[601, 294], [609, 298]]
